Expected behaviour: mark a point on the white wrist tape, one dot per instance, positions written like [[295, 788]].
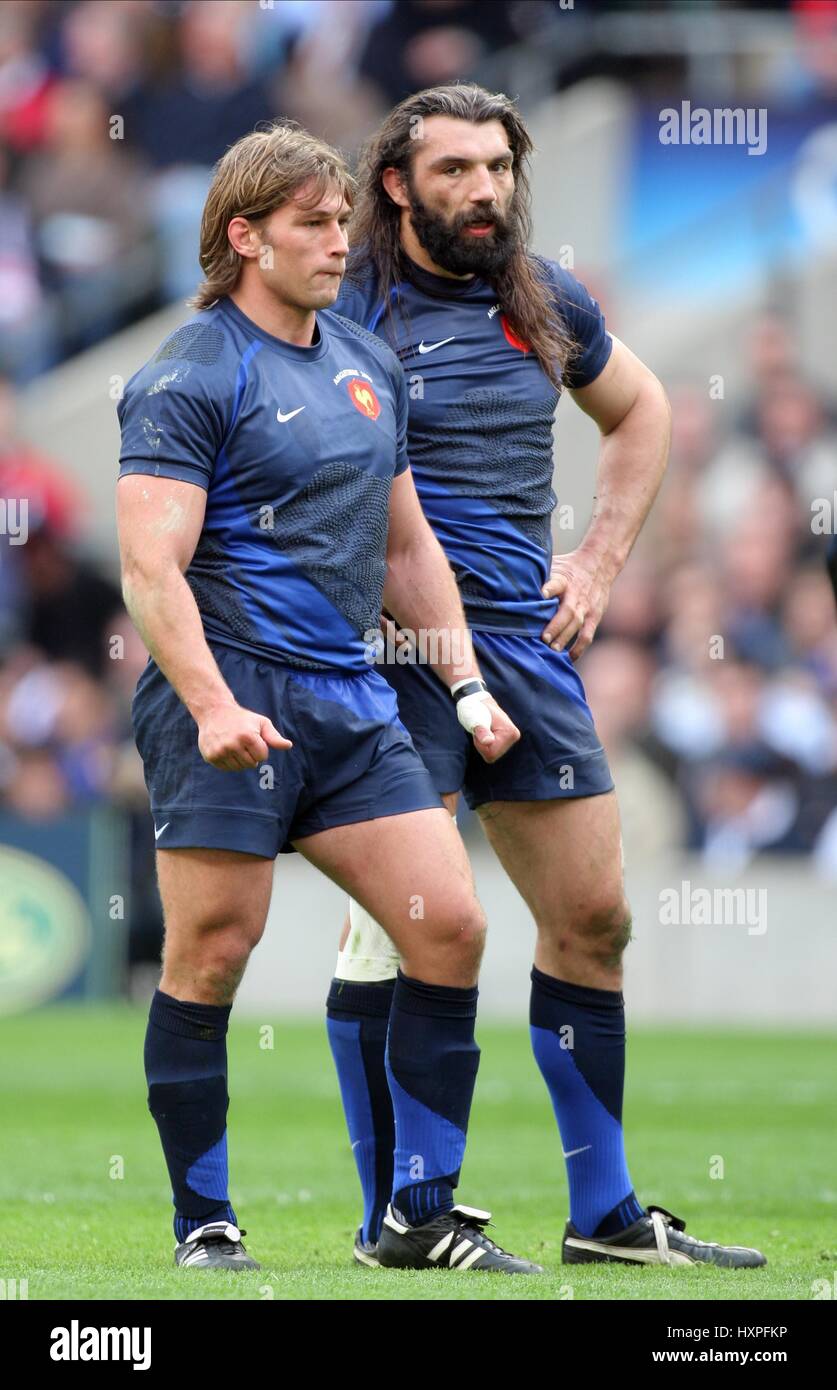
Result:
[[472, 713]]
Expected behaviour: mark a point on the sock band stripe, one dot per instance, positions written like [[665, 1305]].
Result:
[[347, 999]]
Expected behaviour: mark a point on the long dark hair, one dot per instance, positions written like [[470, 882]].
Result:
[[522, 288]]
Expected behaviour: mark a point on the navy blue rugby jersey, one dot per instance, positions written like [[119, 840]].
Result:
[[479, 436], [297, 448]]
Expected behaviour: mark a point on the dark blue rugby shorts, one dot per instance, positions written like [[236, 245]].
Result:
[[352, 759], [559, 753]]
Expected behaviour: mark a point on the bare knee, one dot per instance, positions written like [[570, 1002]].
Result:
[[604, 931], [209, 964], [227, 957], [462, 931], [447, 947]]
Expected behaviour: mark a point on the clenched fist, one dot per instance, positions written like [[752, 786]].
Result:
[[233, 739], [489, 726]]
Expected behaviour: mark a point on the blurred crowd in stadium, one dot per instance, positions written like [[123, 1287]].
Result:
[[714, 675], [112, 113]]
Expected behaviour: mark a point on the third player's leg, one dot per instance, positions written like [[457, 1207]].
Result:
[[565, 858]]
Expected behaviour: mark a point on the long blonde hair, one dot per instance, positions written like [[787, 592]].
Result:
[[259, 173]]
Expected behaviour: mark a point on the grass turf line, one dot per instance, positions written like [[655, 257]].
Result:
[[72, 1100]]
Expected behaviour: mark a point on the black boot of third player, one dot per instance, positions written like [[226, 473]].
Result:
[[657, 1238], [454, 1240]]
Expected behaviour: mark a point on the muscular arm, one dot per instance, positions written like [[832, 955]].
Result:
[[159, 522], [631, 409], [420, 590]]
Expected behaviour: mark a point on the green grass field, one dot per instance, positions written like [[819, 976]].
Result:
[[72, 1096]]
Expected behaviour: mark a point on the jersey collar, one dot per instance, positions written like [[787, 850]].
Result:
[[441, 286], [299, 354]]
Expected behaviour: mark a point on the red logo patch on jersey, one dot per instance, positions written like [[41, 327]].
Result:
[[363, 398], [512, 338]]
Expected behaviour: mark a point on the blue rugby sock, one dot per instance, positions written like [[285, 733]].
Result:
[[357, 1021], [578, 1037], [186, 1070], [432, 1060]]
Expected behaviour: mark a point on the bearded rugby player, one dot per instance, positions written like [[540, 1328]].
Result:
[[488, 335]]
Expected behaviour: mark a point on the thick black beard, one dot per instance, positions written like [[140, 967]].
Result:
[[460, 256]]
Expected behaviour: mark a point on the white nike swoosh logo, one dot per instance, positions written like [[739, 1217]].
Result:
[[431, 347], [355, 1144], [283, 419], [582, 1150], [158, 833]]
